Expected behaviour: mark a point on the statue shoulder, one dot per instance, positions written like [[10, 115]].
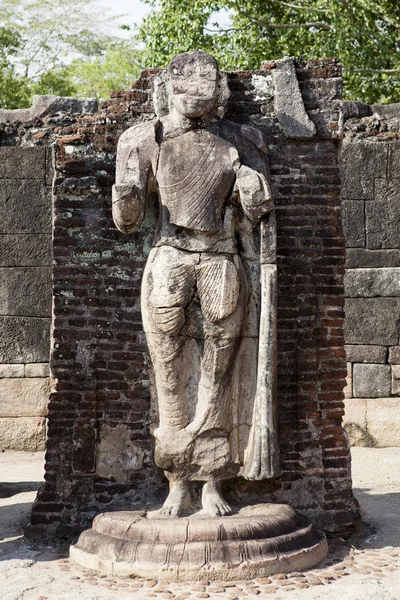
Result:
[[238, 133], [141, 135], [249, 141]]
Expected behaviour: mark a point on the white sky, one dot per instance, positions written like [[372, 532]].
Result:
[[134, 9]]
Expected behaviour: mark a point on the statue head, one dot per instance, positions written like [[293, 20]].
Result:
[[193, 79]]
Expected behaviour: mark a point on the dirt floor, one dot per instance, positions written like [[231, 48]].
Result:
[[369, 571]]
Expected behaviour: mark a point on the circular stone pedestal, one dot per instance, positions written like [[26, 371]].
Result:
[[257, 541]]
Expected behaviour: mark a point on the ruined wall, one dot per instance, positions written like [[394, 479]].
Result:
[[371, 208], [26, 177], [99, 450], [25, 296]]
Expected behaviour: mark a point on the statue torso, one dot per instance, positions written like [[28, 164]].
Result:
[[195, 176]]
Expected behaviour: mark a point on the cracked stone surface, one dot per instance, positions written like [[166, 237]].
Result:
[[373, 422], [367, 567]]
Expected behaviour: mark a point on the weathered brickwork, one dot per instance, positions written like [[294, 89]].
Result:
[[370, 161], [99, 447]]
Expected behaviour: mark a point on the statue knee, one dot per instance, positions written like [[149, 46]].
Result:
[[169, 320]]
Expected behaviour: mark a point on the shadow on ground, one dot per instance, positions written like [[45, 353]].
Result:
[[11, 489]]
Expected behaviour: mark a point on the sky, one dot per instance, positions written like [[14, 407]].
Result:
[[134, 9]]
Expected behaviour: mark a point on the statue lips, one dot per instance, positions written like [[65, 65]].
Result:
[[193, 106]]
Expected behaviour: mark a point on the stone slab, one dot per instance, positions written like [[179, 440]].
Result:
[[25, 206], [255, 541], [372, 283], [353, 216], [372, 321], [289, 103], [22, 163], [361, 163], [366, 354], [364, 258], [382, 217], [37, 370], [25, 250], [394, 355], [23, 433], [24, 339], [371, 381], [373, 422], [383, 421], [12, 370], [355, 422], [25, 291], [49, 105], [24, 397], [396, 380]]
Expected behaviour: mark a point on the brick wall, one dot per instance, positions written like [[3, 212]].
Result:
[[99, 449], [371, 208]]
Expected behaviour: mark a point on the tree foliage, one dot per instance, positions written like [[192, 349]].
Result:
[[61, 47], [364, 34]]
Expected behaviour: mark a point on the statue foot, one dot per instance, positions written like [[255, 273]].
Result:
[[212, 500], [178, 500]]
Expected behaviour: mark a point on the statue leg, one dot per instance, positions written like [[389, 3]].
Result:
[[222, 289], [167, 288]]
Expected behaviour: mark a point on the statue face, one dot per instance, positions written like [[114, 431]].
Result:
[[193, 83]]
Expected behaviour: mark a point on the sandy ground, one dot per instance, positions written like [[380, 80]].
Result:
[[369, 571]]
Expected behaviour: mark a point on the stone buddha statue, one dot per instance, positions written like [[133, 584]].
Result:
[[208, 298], [209, 315]]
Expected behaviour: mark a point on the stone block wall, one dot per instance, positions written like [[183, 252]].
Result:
[[370, 165], [99, 451], [25, 294], [26, 179]]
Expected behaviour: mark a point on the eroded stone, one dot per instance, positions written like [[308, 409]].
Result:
[[25, 205], [289, 103], [383, 215], [25, 291], [366, 354], [23, 433], [371, 159], [256, 541], [372, 321], [373, 283], [371, 381], [24, 397], [24, 339], [200, 303]]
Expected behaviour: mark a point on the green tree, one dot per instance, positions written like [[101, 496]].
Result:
[[61, 47], [364, 34], [113, 69], [12, 86]]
